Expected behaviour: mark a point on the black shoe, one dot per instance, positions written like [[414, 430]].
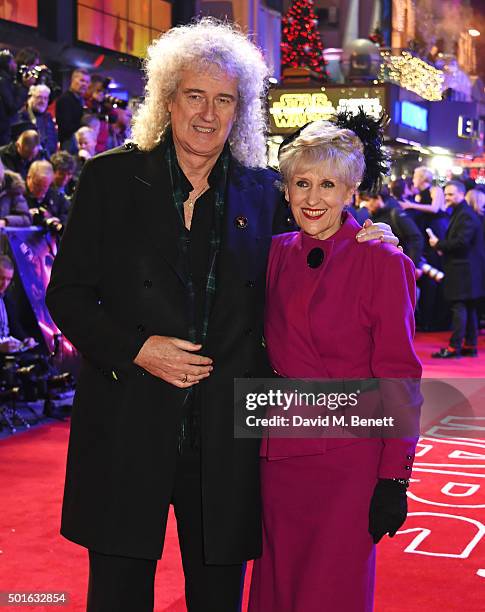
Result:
[[445, 353], [469, 352]]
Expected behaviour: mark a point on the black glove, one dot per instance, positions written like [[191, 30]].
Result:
[[388, 508]]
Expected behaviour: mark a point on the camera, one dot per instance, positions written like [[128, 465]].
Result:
[[42, 75], [429, 270]]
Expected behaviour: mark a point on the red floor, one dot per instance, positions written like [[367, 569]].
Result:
[[437, 562]]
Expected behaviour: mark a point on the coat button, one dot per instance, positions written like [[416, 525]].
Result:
[[409, 456], [407, 467], [147, 284], [250, 284], [249, 331], [129, 145], [140, 328]]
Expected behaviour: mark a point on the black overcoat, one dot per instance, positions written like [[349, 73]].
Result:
[[117, 280], [464, 255]]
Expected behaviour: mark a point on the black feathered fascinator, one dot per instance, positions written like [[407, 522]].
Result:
[[371, 132]]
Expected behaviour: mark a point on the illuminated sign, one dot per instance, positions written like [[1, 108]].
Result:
[[414, 116], [290, 109]]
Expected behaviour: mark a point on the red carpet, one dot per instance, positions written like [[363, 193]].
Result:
[[437, 562]]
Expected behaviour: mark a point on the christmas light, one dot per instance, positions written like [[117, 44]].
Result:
[[412, 73], [301, 46]]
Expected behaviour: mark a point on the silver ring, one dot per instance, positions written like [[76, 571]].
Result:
[[185, 378]]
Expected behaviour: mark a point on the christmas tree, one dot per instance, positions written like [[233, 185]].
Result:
[[301, 45]]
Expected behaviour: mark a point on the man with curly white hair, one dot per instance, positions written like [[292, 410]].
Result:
[[166, 312]]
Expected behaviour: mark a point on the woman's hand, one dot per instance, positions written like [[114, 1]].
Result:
[[388, 509], [377, 231]]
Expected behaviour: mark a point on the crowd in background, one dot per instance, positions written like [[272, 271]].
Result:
[[46, 135], [45, 138]]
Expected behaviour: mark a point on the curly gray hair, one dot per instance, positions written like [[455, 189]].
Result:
[[202, 44]]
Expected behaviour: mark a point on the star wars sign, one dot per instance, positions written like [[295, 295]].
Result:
[[290, 109]]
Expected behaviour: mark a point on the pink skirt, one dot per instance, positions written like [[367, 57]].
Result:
[[318, 555]]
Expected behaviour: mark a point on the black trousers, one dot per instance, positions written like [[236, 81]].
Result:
[[124, 584], [464, 324]]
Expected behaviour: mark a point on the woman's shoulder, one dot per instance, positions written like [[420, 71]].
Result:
[[283, 241]]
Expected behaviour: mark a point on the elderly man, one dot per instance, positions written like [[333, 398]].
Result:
[[45, 204], [69, 108], [25, 148], [164, 331], [464, 267], [36, 112], [14, 210]]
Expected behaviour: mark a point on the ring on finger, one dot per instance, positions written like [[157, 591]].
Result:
[[185, 378]]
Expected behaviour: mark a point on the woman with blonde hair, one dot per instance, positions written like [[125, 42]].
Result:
[[334, 310], [476, 199]]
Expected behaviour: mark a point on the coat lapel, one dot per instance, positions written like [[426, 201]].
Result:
[[153, 197]]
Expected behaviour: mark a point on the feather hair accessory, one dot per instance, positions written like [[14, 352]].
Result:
[[371, 132]]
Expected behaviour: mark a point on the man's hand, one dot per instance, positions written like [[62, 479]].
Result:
[[29, 342], [3, 223], [377, 231], [432, 238], [173, 360]]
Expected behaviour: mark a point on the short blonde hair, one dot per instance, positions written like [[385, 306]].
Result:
[[201, 45], [426, 173], [85, 131], [476, 199], [324, 142]]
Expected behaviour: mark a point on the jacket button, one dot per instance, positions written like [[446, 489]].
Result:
[[147, 284], [249, 331], [409, 456], [407, 467], [140, 328], [250, 284]]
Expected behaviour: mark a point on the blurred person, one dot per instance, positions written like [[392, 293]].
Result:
[[91, 121], [388, 211], [45, 204], [26, 147], [86, 143], [120, 130], [27, 56], [64, 165], [36, 113], [12, 335], [14, 210], [402, 190], [95, 102], [428, 210], [476, 199], [464, 266], [13, 94], [70, 108]]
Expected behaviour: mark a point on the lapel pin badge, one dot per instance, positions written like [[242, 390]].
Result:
[[241, 222]]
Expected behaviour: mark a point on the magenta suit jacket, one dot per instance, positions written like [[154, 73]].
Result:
[[352, 317]]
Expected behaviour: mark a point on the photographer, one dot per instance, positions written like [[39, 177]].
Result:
[[69, 108], [37, 114], [388, 211], [64, 165], [10, 328], [48, 207], [14, 210], [13, 94], [25, 148], [464, 266]]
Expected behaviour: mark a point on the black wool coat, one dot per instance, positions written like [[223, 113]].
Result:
[[464, 255], [116, 281]]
